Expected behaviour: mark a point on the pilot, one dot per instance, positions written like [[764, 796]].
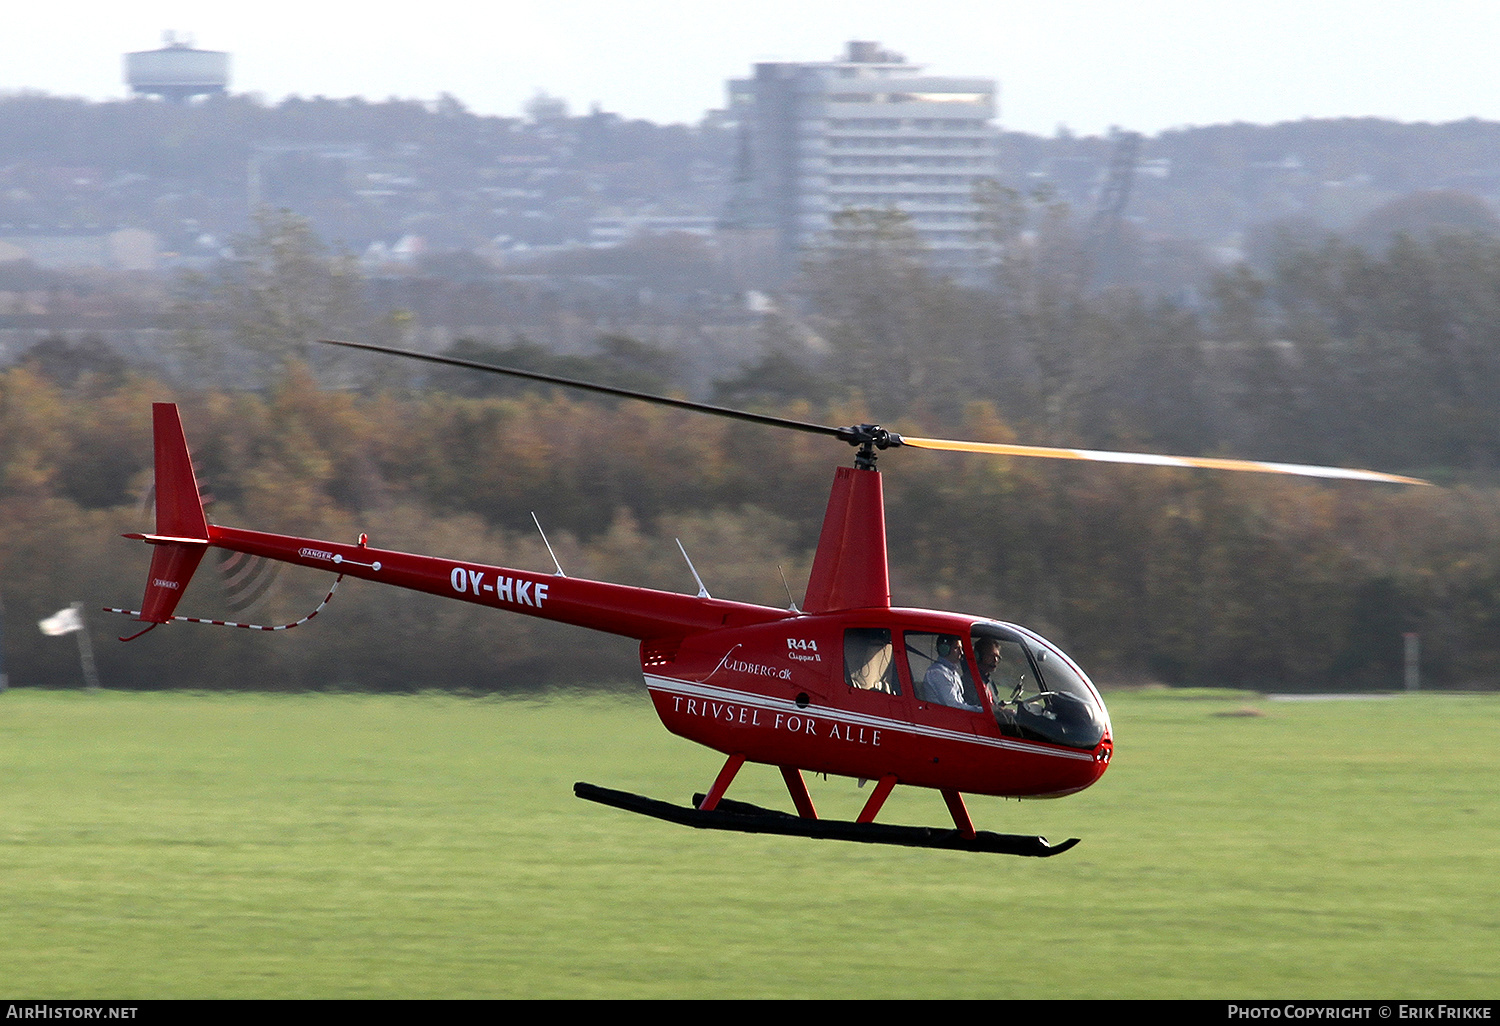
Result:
[[944, 682], [987, 655]]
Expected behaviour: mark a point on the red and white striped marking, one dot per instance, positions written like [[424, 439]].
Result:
[[246, 626]]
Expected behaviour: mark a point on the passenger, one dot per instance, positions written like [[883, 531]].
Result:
[[944, 681]]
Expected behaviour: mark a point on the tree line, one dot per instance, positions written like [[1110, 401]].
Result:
[[1335, 355], [1183, 577]]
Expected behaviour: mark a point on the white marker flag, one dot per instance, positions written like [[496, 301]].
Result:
[[64, 621]]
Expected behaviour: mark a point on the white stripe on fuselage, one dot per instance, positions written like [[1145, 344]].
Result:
[[688, 689]]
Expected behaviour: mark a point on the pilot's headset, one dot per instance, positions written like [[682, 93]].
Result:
[[945, 645]]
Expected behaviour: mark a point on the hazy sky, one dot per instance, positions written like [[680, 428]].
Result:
[[1141, 64]]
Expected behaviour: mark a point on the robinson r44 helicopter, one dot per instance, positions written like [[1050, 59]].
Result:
[[847, 684]]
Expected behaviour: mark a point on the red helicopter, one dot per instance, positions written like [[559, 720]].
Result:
[[847, 684]]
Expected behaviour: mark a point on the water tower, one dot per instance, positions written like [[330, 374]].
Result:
[[177, 72]]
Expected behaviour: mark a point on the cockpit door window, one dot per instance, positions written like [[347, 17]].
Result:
[[940, 672], [869, 660]]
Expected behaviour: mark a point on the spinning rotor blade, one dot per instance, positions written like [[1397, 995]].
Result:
[[872, 436], [589, 386], [1152, 459]]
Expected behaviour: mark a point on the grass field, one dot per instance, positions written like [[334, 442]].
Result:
[[188, 845]]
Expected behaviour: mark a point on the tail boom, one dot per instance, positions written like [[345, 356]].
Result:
[[638, 613], [183, 534]]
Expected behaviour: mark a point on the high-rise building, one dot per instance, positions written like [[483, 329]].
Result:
[[866, 132]]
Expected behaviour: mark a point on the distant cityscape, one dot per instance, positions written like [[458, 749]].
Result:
[[559, 227], [166, 182]]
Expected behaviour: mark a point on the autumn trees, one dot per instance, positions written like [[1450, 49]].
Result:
[[1334, 355], [1141, 573]]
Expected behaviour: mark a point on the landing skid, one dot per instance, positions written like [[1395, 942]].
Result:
[[752, 819]]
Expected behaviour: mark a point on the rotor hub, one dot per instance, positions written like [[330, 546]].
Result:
[[867, 438]]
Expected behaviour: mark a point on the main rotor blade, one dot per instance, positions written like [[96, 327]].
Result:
[[589, 386], [871, 434], [1152, 459]]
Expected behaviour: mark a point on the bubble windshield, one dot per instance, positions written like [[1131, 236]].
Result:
[[1037, 693]]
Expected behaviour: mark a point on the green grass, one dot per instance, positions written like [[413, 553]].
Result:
[[187, 845]]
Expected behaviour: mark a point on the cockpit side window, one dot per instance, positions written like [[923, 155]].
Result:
[[940, 670], [869, 660]]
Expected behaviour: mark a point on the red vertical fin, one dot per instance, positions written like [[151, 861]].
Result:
[[181, 526], [179, 510], [850, 570]]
